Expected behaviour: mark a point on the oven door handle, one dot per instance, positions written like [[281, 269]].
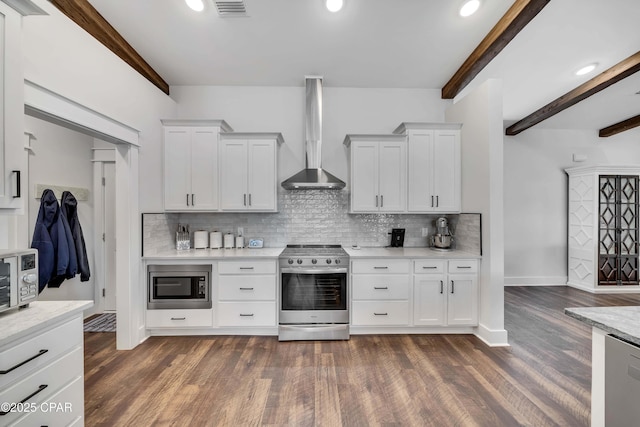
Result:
[[314, 270]]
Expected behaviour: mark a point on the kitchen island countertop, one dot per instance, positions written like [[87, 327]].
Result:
[[217, 254], [408, 253], [623, 321]]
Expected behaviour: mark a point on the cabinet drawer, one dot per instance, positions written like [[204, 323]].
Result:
[[247, 267], [247, 288], [463, 266], [55, 376], [382, 313], [247, 314], [427, 266], [380, 287], [64, 408], [39, 350], [179, 318], [380, 266]]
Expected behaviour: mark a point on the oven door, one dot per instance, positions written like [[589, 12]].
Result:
[[313, 296], [8, 282], [178, 290]]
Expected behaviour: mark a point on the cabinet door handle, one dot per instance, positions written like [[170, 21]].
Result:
[[17, 195], [437, 201], [193, 199], [380, 288], [187, 199], [380, 314], [452, 286], [249, 199], [246, 315], [381, 201], [178, 318], [376, 200], [245, 199], [246, 289], [40, 353], [441, 286], [431, 201], [40, 388], [380, 268]]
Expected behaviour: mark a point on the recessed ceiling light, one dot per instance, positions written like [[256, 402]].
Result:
[[469, 8], [197, 5], [586, 69], [334, 5]]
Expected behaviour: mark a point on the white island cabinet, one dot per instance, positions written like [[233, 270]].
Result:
[[41, 364], [191, 164], [13, 158], [249, 171]]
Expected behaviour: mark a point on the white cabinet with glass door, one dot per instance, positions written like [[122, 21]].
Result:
[[249, 171], [434, 167], [378, 173], [191, 164]]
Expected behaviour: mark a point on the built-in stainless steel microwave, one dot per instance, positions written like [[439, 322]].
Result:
[[18, 278], [179, 286]]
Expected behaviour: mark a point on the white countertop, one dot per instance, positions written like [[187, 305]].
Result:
[[623, 322], [408, 253], [210, 254], [16, 323]]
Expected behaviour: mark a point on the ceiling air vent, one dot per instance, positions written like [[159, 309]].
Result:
[[230, 8]]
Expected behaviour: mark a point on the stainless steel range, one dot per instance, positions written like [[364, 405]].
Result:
[[314, 281]]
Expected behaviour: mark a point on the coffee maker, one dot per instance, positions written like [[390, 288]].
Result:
[[397, 237], [443, 238]]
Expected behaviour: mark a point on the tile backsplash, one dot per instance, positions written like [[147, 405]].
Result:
[[310, 216]]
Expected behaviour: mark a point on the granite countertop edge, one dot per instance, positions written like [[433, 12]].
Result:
[[621, 321]]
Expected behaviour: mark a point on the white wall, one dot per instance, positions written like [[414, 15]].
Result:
[[482, 192], [282, 109], [62, 157], [535, 194]]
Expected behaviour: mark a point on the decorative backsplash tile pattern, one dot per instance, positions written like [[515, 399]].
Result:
[[310, 216]]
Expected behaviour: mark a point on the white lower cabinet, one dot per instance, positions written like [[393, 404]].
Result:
[[247, 293], [445, 293], [180, 318], [380, 290]]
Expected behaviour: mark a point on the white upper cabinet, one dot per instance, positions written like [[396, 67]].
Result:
[[434, 167], [191, 164], [13, 158], [378, 166], [249, 171]]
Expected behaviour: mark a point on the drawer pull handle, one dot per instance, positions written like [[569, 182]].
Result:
[[380, 314], [381, 287], [178, 318], [431, 267], [246, 289], [246, 268], [40, 388], [40, 353], [246, 315], [380, 268], [463, 266]]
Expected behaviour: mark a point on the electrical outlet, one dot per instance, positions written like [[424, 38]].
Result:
[[240, 231], [425, 231]]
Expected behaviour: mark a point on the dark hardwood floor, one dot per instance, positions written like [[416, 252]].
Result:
[[542, 379]]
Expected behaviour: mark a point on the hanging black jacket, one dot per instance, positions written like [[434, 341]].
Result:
[[69, 208]]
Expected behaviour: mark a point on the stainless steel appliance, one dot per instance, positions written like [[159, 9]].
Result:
[[442, 239], [622, 382], [313, 297], [179, 286], [18, 278]]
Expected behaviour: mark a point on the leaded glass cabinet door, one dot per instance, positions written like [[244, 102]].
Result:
[[618, 230]]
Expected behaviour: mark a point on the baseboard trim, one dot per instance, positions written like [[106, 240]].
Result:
[[535, 281], [492, 337]]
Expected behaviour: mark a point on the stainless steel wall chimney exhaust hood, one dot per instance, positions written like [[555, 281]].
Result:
[[313, 176]]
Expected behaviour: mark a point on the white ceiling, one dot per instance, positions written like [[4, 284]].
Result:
[[391, 44]]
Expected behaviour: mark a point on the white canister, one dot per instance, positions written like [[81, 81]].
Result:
[[239, 242], [215, 240], [200, 239], [229, 241]]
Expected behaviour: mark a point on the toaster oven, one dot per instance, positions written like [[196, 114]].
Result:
[[18, 278]]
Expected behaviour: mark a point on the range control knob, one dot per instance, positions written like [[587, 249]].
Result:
[[314, 261], [29, 278], [290, 261], [299, 261], [328, 261], [337, 261]]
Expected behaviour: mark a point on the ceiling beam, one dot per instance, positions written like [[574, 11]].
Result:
[[602, 81], [513, 21], [622, 126], [87, 17]]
